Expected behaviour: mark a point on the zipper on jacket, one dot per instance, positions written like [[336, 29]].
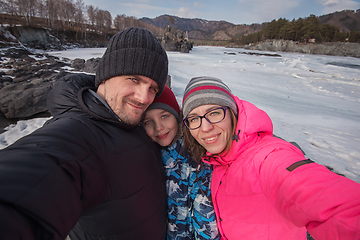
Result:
[[221, 231]]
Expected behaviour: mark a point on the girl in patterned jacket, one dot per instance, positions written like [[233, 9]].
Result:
[[263, 187], [190, 211]]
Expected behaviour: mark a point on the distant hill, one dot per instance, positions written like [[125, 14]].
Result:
[[200, 29], [188, 24], [347, 21]]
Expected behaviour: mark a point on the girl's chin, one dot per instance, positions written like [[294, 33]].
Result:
[[164, 143]]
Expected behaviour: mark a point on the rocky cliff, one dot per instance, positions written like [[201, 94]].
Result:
[[47, 39], [335, 49], [26, 77]]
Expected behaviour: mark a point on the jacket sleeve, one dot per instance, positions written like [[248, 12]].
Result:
[[308, 194], [46, 179]]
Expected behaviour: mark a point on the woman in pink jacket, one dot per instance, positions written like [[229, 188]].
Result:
[[263, 187]]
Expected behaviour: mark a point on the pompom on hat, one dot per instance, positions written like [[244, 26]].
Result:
[[134, 51], [207, 90], [166, 101]]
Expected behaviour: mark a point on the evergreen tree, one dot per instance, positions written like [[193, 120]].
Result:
[[311, 28], [298, 24], [328, 32], [354, 36], [287, 32], [340, 37], [272, 29]]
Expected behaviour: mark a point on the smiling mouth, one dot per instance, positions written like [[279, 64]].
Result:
[[137, 105], [211, 139], [162, 136]]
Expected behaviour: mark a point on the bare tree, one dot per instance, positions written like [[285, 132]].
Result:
[[103, 20], [79, 12], [131, 21], [99, 19], [52, 13], [41, 7], [79, 17], [91, 12], [119, 22], [107, 20], [66, 11], [27, 8], [9, 6], [122, 21]]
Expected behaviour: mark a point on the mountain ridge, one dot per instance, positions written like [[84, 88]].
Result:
[[201, 29]]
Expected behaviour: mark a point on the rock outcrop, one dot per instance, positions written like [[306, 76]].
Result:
[[47, 39], [29, 77], [334, 49], [174, 40], [39, 38]]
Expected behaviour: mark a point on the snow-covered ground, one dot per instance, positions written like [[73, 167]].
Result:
[[313, 100]]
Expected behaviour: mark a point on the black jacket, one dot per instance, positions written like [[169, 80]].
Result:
[[83, 164]]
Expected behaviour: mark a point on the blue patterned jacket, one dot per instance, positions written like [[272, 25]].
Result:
[[191, 214]]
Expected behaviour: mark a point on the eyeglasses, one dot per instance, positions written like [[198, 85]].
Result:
[[213, 116]]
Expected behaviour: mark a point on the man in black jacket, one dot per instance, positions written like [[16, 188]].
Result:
[[92, 169]]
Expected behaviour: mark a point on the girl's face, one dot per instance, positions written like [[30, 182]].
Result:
[[212, 136], [161, 126]]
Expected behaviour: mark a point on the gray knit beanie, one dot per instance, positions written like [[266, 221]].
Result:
[[134, 51], [207, 90]]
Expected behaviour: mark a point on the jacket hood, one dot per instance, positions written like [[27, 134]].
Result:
[[63, 97], [70, 94], [252, 125]]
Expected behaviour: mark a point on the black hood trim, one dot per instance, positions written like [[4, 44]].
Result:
[[87, 100]]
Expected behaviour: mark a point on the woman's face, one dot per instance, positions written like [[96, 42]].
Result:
[[212, 136], [161, 126]]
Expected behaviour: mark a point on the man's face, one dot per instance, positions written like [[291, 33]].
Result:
[[128, 96]]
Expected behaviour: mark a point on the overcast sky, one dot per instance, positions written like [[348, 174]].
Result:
[[233, 11]]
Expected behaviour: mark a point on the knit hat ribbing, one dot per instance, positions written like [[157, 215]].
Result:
[[166, 101], [134, 51], [207, 90]]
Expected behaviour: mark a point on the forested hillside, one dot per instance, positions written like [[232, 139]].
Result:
[[311, 29]]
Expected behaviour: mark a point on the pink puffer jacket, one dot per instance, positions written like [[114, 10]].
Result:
[[265, 189]]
